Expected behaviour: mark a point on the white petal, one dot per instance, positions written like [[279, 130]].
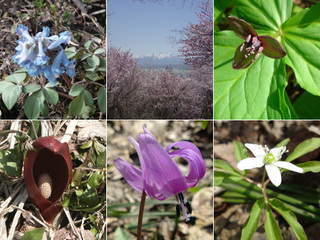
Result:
[[274, 174], [288, 166], [278, 152], [257, 150], [250, 163]]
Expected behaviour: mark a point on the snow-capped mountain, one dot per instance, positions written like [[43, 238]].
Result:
[[159, 60]]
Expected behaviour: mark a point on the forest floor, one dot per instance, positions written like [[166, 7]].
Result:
[[229, 218], [160, 220], [84, 21]]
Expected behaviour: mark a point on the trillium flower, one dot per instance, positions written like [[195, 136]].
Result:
[[271, 159], [159, 176], [254, 45]]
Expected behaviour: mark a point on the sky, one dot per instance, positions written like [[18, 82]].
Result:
[[146, 28]]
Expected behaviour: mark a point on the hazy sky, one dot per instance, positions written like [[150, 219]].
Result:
[[146, 27]]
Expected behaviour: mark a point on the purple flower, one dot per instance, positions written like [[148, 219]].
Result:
[[254, 45], [160, 177]]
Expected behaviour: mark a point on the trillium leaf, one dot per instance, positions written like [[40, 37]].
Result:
[[266, 14], [257, 92], [241, 27], [272, 47], [310, 112], [301, 39]]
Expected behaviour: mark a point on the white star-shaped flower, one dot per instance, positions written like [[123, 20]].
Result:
[[270, 159]]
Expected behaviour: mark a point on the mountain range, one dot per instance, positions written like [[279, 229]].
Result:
[[161, 60]]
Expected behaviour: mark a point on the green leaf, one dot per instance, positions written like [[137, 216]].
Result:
[[291, 219], [102, 99], [99, 51], [271, 226], [31, 88], [266, 14], [310, 166], [77, 106], [85, 56], [50, 95], [257, 92], [222, 177], [33, 105], [4, 84], [70, 52], [101, 160], [10, 95], [310, 112], [88, 98], [301, 39], [251, 224], [16, 77], [76, 90], [122, 234], [283, 143], [87, 44], [94, 61], [35, 234], [95, 180], [8, 164], [304, 148], [240, 150], [220, 7], [221, 164]]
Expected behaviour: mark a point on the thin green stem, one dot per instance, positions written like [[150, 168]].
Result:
[[143, 199]]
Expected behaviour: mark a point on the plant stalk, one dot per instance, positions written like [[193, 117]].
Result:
[[143, 199]]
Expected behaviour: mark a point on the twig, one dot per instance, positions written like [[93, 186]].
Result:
[[65, 95], [34, 129], [66, 79], [73, 227], [85, 81]]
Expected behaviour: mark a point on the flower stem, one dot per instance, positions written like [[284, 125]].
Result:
[[66, 79], [263, 186], [143, 199]]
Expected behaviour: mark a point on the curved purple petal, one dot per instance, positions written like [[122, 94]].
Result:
[[272, 48], [132, 174], [241, 27], [192, 154], [158, 168]]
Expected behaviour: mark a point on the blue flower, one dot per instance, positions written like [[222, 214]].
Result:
[[64, 38], [31, 53]]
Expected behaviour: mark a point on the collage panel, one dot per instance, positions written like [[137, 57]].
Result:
[[53, 59], [159, 179], [53, 179], [160, 59], [266, 179], [267, 62]]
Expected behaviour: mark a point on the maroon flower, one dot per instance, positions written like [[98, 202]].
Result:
[[250, 50], [48, 172]]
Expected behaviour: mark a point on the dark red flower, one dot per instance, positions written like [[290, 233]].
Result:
[[250, 50], [48, 173]]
